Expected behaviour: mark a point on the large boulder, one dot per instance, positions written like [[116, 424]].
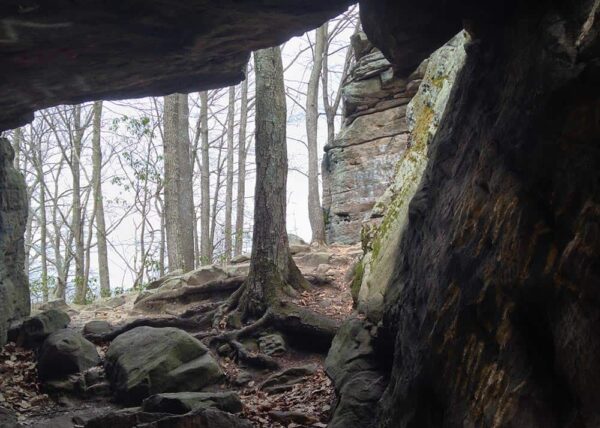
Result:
[[37, 328], [146, 361], [64, 353], [183, 402], [357, 374]]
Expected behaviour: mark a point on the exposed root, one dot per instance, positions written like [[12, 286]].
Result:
[[177, 322], [188, 294]]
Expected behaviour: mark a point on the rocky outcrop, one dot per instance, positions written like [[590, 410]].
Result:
[[359, 165], [146, 361], [14, 287], [493, 304], [59, 52], [381, 239]]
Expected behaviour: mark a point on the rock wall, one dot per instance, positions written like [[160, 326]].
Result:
[[380, 239], [14, 287], [493, 308], [359, 165]]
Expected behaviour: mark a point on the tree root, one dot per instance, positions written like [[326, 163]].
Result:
[[176, 322], [188, 294]]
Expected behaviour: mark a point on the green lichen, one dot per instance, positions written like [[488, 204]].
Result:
[[359, 272]]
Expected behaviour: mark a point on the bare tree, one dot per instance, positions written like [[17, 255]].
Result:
[[178, 183], [229, 180], [205, 241], [272, 267], [242, 154], [103, 271], [315, 212]]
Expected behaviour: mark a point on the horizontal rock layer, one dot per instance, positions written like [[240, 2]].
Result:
[[359, 164]]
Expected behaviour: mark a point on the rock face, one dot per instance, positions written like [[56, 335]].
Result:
[[493, 303], [14, 287], [359, 378], [381, 239], [359, 165], [146, 361]]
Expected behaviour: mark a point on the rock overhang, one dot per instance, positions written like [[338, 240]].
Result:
[[60, 51]]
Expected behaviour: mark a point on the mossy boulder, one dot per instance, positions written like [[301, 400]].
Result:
[[147, 361]]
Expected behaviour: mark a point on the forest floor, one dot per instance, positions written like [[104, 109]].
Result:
[[307, 404]]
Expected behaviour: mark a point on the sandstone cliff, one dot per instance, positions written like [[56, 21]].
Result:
[[359, 165]]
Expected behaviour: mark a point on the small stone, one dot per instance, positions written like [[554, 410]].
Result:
[[286, 379], [183, 402], [272, 344]]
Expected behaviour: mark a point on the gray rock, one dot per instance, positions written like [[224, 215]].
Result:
[[37, 328], [204, 274], [64, 353], [295, 240], [97, 327], [147, 361], [240, 269], [285, 380], [358, 379], [272, 344], [294, 417], [8, 419], [240, 259], [313, 259], [299, 248], [183, 402], [136, 417], [59, 304], [153, 285]]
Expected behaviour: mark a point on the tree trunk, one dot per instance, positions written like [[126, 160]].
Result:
[[103, 272], [43, 220], [315, 212], [271, 266], [205, 244], [77, 223], [241, 189], [229, 182], [178, 184]]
